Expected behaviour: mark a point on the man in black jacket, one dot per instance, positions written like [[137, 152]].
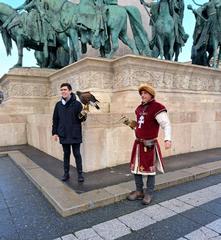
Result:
[[66, 127]]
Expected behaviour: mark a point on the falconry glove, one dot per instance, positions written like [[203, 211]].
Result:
[[82, 115], [131, 123]]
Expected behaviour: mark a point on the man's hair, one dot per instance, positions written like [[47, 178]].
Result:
[[68, 85]]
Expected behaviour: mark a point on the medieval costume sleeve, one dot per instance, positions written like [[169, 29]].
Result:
[[164, 122]]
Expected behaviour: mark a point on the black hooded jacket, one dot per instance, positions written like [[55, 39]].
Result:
[[66, 123]]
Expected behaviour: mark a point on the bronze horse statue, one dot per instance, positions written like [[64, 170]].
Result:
[[63, 17], [116, 20], [15, 31], [117, 27], [207, 34], [165, 31]]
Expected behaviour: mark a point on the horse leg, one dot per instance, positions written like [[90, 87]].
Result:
[[210, 55], [160, 44], [74, 46], [129, 42], [124, 37], [219, 56], [62, 39], [19, 44], [52, 58], [166, 53], [171, 50], [45, 51], [102, 51], [215, 47], [115, 44], [177, 51]]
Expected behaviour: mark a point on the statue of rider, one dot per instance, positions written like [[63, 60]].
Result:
[[207, 27], [176, 11], [198, 51], [37, 10], [154, 8], [92, 22], [211, 11]]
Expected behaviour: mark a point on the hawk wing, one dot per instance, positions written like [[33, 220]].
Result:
[[87, 98], [93, 98], [83, 97], [93, 101]]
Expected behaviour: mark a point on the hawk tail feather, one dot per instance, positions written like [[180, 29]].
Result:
[[94, 105]]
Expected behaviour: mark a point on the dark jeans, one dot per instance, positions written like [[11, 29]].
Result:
[[77, 156], [150, 183]]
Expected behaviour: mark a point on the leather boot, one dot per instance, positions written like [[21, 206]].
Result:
[[135, 195], [80, 177], [65, 177], [147, 199]]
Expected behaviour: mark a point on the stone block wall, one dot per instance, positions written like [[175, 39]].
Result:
[[12, 129]]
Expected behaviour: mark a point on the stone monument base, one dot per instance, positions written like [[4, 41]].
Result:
[[192, 95]]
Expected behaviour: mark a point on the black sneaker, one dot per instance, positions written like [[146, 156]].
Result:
[[65, 177]]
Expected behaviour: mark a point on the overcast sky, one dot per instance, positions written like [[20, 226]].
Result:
[[8, 61]]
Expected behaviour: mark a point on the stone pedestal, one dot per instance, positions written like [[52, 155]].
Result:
[[26, 90], [192, 95]]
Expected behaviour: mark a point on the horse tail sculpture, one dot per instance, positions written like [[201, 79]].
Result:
[[7, 41], [139, 33]]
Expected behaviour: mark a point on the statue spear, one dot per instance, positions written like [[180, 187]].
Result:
[[148, 13]]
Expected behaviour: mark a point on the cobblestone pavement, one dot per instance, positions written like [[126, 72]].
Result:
[[187, 211], [194, 216]]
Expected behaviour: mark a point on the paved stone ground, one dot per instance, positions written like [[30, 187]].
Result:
[[114, 175], [193, 216], [25, 214]]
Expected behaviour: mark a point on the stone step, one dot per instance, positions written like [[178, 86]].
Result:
[[67, 202]]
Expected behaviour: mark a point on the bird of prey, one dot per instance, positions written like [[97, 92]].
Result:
[[87, 99]]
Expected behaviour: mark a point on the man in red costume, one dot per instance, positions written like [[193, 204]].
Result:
[[146, 157]]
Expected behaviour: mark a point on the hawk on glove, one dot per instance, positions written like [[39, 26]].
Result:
[[87, 99]]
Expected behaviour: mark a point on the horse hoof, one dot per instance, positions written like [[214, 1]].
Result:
[[17, 66]]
